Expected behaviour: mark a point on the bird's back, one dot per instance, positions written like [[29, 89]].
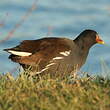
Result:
[[47, 54]]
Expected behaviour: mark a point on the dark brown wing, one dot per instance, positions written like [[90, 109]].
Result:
[[42, 50], [33, 46]]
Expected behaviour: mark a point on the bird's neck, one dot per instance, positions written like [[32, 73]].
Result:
[[82, 44]]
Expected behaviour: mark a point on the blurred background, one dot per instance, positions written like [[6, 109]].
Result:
[[30, 19]]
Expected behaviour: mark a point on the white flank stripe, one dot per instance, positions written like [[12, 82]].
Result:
[[41, 71], [57, 58], [45, 68], [19, 53], [66, 53], [50, 64]]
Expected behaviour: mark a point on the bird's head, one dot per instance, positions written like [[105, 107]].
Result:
[[88, 38]]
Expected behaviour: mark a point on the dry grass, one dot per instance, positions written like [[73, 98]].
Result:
[[54, 93]]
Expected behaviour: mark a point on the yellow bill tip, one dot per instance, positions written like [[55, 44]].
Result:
[[99, 41]]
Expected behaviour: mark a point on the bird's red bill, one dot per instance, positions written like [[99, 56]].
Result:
[[98, 40]]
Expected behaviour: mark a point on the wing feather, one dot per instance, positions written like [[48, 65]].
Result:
[[42, 50]]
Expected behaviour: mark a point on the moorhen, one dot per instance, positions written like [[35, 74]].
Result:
[[54, 55]]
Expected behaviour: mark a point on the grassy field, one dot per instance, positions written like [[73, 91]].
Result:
[[54, 93]]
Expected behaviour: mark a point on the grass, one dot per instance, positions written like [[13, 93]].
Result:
[[58, 93]]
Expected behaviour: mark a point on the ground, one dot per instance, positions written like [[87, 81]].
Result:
[[47, 93]]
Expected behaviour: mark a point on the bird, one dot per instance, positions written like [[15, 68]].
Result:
[[54, 54]]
